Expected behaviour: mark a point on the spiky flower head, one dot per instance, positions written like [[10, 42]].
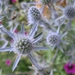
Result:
[[22, 44], [69, 12], [34, 15], [45, 2], [53, 39]]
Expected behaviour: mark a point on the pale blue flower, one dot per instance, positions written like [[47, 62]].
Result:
[[23, 45], [51, 6], [35, 18], [68, 13], [34, 15], [54, 39]]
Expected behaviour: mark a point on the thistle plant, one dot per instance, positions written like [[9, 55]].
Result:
[[35, 18], [49, 43], [54, 39], [50, 5], [68, 13], [23, 45]]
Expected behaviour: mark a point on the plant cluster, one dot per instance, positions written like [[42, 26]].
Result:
[[47, 40]]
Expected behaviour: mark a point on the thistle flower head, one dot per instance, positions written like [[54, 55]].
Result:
[[69, 12], [21, 44], [53, 39], [33, 15]]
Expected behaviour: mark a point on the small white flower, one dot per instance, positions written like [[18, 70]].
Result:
[[69, 12]]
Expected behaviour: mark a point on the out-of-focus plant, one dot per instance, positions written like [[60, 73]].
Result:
[[44, 26]]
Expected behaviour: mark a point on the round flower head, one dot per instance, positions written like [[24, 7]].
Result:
[[35, 18], [34, 15], [23, 45], [54, 39], [45, 2], [69, 12]]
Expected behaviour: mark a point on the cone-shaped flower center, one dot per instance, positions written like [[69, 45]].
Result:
[[35, 13], [69, 12], [54, 39], [23, 45]]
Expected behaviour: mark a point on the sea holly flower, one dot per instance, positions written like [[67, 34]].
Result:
[[34, 15], [69, 68], [54, 39], [35, 18], [23, 45], [50, 5], [68, 13]]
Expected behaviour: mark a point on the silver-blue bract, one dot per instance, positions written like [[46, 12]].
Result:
[[23, 45], [54, 39]]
